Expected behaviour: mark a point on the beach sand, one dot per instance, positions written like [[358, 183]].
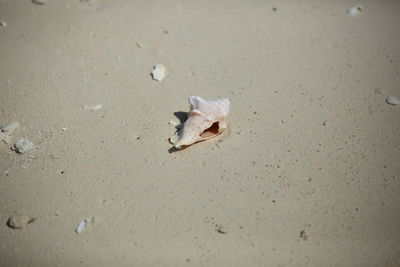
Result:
[[308, 173]]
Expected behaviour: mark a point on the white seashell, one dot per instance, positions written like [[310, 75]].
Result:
[[23, 145], [159, 72], [3, 23], [392, 100], [81, 226], [355, 10], [206, 119], [84, 224], [93, 108]]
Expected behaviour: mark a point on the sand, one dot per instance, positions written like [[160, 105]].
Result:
[[307, 175]]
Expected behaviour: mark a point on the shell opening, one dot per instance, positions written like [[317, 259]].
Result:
[[213, 130]]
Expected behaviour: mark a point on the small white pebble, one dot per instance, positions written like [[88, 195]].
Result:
[[57, 213], [355, 10], [3, 24], [392, 100], [64, 128]]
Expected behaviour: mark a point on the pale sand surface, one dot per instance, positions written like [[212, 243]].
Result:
[[278, 171]]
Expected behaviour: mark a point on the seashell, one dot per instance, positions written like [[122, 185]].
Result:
[[206, 119], [392, 100], [23, 145], [355, 10], [159, 72]]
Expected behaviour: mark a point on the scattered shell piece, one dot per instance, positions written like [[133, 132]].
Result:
[[325, 123], [206, 119], [7, 130], [355, 10], [303, 235], [159, 72], [19, 221], [57, 213], [392, 100], [3, 24], [139, 44], [93, 108], [83, 225], [39, 2], [23, 145], [221, 229]]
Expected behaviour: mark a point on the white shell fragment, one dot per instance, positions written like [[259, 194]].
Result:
[[3, 24], [159, 72], [355, 10], [93, 108], [83, 225], [7, 130], [206, 119], [23, 145], [392, 100]]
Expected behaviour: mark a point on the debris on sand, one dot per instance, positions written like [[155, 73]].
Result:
[[19, 221], [355, 10], [39, 2], [3, 24], [392, 100], [22, 145], [7, 130], [93, 108], [159, 72], [221, 229], [83, 225], [303, 235]]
